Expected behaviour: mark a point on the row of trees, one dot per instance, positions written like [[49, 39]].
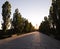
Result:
[[51, 24], [21, 24], [17, 25]]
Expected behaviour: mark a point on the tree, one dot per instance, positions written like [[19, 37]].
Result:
[[52, 20], [45, 27], [17, 21], [21, 24], [55, 15], [6, 12], [26, 26], [31, 28]]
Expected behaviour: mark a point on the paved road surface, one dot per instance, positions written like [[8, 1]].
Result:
[[33, 40]]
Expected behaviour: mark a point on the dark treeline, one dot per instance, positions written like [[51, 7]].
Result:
[[51, 24], [18, 25]]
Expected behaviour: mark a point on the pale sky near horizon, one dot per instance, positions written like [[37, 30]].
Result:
[[33, 10]]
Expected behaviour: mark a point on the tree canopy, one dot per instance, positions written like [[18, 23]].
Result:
[[18, 24], [6, 12], [53, 20]]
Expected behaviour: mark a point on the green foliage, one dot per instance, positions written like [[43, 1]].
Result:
[[17, 21], [28, 26], [56, 17], [6, 11], [21, 24], [45, 27], [52, 26]]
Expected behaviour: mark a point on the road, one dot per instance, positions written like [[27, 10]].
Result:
[[33, 40]]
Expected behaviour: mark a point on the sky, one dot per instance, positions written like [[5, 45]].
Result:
[[33, 10]]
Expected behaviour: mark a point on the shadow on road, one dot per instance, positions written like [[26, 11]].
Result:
[[34, 40]]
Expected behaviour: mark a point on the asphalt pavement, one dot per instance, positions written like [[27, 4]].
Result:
[[33, 40]]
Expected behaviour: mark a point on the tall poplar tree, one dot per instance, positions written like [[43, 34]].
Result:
[[55, 16], [6, 12], [17, 21]]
